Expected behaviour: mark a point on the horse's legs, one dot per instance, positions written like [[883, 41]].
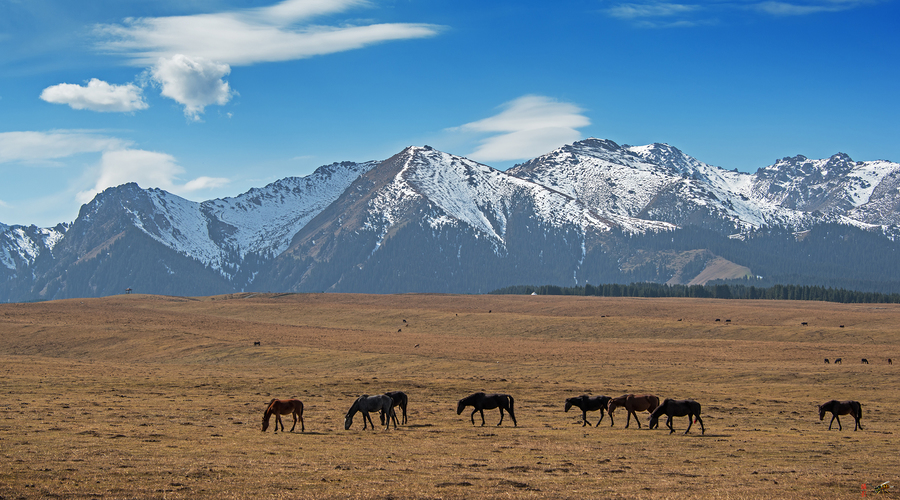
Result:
[[403, 407], [294, 415], [702, 428], [834, 416], [501, 416], [473, 416], [602, 411], [669, 424], [278, 421], [302, 425], [367, 417], [690, 422], [636, 419], [584, 420]]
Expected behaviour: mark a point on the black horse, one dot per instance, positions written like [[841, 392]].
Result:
[[481, 401], [677, 408], [588, 403], [400, 399], [365, 404], [841, 408]]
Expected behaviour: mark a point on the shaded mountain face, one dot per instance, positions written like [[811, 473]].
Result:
[[428, 221]]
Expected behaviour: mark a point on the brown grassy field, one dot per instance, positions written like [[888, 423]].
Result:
[[162, 397]]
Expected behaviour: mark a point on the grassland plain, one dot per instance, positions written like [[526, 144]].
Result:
[[162, 397]]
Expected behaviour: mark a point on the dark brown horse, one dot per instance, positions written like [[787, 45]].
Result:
[[588, 403], [677, 408], [481, 401], [836, 408], [633, 404], [400, 399], [279, 407]]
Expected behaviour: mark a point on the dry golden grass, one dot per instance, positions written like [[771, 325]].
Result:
[[162, 397]]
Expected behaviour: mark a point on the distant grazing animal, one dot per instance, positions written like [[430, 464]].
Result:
[[481, 401], [367, 403], [865, 361], [257, 343], [633, 404], [837, 361], [890, 362], [804, 324], [841, 326], [718, 319], [398, 398], [677, 408], [279, 407], [589, 403], [826, 361], [853, 408]]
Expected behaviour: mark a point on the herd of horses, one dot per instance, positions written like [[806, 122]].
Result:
[[385, 404]]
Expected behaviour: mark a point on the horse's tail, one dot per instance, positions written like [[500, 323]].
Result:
[[512, 402], [858, 406]]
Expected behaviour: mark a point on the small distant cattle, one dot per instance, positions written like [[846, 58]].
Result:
[[865, 361], [826, 361], [837, 361], [717, 319], [841, 326], [399, 330], [257, 343], [804, 324], [890, 362], [728, 321]]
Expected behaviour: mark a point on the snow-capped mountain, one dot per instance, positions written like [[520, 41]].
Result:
[[426, 220], [659, 182]]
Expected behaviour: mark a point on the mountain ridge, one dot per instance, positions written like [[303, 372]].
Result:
[[568, 216]]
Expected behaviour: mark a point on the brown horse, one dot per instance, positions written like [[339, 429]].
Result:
[[836, 408], [633, 404], [280, 407]]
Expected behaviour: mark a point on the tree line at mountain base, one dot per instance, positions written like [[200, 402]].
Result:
[[717, 291]]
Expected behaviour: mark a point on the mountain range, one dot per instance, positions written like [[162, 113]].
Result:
[[428, 221]]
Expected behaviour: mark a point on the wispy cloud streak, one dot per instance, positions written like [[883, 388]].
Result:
[[526, 127]]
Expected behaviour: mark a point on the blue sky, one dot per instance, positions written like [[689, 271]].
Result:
[[209, 98]]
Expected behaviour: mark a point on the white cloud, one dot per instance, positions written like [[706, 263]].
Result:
[[527, 127], [797, 9], [201, 183], [97, 95], [189, 55], [632, 11], [33, 147], [194, 83], [148, 169], [244, 37]]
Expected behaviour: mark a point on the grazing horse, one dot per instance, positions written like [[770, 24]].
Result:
[[481, 401], [588, 403], [398, 398], [865, 361], [633, 404], [367, 403], [837, 361], [677, 408], [841, 408], [280, 407]]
